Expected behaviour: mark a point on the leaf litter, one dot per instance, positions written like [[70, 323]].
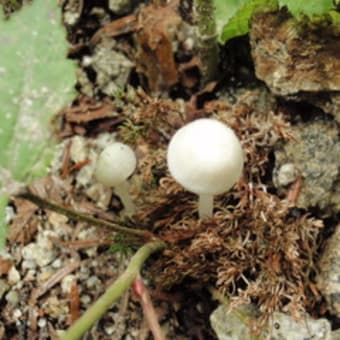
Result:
[[256, 248]]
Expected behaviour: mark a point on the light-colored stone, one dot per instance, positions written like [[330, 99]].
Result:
[[328, 279], [67, 282], [112, 68], [284, 327], [233, 325], [13, 275], [121, 6]]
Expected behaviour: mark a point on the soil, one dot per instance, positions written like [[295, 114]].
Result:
[[139, 80]]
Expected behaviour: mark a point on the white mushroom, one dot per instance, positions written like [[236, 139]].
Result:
[[114, 165], [206, 157]]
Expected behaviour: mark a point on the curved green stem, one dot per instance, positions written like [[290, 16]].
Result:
[[99, 308], [46, 204]]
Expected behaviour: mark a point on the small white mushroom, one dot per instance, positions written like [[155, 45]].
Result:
[[114, 165], [205, 157]]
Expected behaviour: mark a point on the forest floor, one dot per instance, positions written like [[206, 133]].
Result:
[[272, 240]]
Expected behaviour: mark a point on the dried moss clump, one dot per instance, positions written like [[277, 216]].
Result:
[[255, 248]]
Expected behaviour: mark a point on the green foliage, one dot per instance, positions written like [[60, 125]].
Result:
[[309, 8], [123, 245], [238, 24], [233, 16], [36, 80]]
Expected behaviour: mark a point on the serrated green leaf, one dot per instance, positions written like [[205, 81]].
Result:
[[238, 24], [309, 8], [36, 80]]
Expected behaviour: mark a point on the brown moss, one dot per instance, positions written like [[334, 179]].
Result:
[[254, 248]]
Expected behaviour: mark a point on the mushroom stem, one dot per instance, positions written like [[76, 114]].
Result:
[[205, 205], [122, 190]]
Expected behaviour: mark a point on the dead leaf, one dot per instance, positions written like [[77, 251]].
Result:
[[24, 224], [116, 28], [5, 266], [155, 56], [88, 110]]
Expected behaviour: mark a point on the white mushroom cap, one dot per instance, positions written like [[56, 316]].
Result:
[[115, 164], [205, 157]]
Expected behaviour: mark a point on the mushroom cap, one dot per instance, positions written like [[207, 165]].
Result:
[[115, 164], [205, 157]]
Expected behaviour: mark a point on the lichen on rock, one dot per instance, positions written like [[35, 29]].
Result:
[[111, 66]]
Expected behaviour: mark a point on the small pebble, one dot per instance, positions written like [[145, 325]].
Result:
[[67, 282], [78, 150], [109, 329], [85, 300], [286, 174], [17, 313], [28, 264], [13, 275], [42, 322], [92, 282], [12, 297], [45, 275], [57, 264]]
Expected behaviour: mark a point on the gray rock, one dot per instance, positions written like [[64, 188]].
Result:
[[291, 58], [72, 12], [234, 326], [121, 6], [315, 154], [328, 280], [284, 327], [286, 174], [298, 62], [112, 67]]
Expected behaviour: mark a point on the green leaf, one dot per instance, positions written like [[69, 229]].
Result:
[[233, 16], [238, 24], [36, 80], [309, 8], [225, 10]]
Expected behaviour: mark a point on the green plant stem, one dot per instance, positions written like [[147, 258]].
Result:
[[208, 47], [47, 204], [99, 308]]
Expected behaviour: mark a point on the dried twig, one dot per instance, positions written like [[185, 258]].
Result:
[[148, 309], [46, 204]]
